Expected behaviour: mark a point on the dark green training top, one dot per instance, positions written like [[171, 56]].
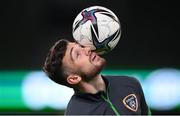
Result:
[[123, 96]]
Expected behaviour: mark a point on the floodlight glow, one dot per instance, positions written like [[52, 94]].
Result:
[[163, 88], [40, 92]]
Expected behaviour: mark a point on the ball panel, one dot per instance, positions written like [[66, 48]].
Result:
[[97, 27], [115, 41]]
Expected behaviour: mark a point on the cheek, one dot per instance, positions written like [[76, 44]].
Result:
[[85, 67], [82, 62], [82, 66], [90, 69]]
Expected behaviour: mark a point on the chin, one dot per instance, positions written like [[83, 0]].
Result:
[[100, 65], [102, 62]]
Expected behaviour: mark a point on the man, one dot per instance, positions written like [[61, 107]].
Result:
[[75, 66]]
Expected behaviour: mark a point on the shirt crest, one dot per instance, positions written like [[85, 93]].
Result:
[[130, 101]]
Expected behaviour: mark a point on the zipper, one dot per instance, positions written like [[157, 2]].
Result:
[[110, 103]]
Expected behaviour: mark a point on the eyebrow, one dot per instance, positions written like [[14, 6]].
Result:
[[71, 54]]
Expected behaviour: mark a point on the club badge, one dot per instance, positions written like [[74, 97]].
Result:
[[131, 102]]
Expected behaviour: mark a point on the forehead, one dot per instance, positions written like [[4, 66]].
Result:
[[69, 47], [67, 57]]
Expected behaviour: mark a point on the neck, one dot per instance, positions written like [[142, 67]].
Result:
[[95, 85]]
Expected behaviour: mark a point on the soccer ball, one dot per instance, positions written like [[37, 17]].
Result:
[[98, 28]]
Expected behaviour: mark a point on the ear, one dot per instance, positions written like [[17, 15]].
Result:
[[73, 79]]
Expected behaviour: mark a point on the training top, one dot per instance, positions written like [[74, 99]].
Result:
[[123, 96]]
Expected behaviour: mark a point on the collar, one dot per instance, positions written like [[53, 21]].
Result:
[[93, 97]]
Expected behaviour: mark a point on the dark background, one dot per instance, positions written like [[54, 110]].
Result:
[[150, 32]]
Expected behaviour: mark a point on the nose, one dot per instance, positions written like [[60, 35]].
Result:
[[87, 50]]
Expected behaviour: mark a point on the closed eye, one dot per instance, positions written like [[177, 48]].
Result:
[[77, 54], [81, 46]]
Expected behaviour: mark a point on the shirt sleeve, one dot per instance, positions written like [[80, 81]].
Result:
[[145, 110]]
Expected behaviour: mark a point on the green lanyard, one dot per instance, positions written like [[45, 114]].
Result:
[[149, 112], [110, 103]]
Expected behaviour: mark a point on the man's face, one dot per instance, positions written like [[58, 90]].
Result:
[[81, 60]]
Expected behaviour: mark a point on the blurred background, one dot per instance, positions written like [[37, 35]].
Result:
[[148, 50]]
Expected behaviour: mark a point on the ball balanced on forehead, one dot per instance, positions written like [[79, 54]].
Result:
[[97, 27]]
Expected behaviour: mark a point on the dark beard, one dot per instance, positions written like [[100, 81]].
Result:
[[89, 77]]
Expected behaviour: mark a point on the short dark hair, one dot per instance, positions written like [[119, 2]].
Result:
[[53, 66]]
